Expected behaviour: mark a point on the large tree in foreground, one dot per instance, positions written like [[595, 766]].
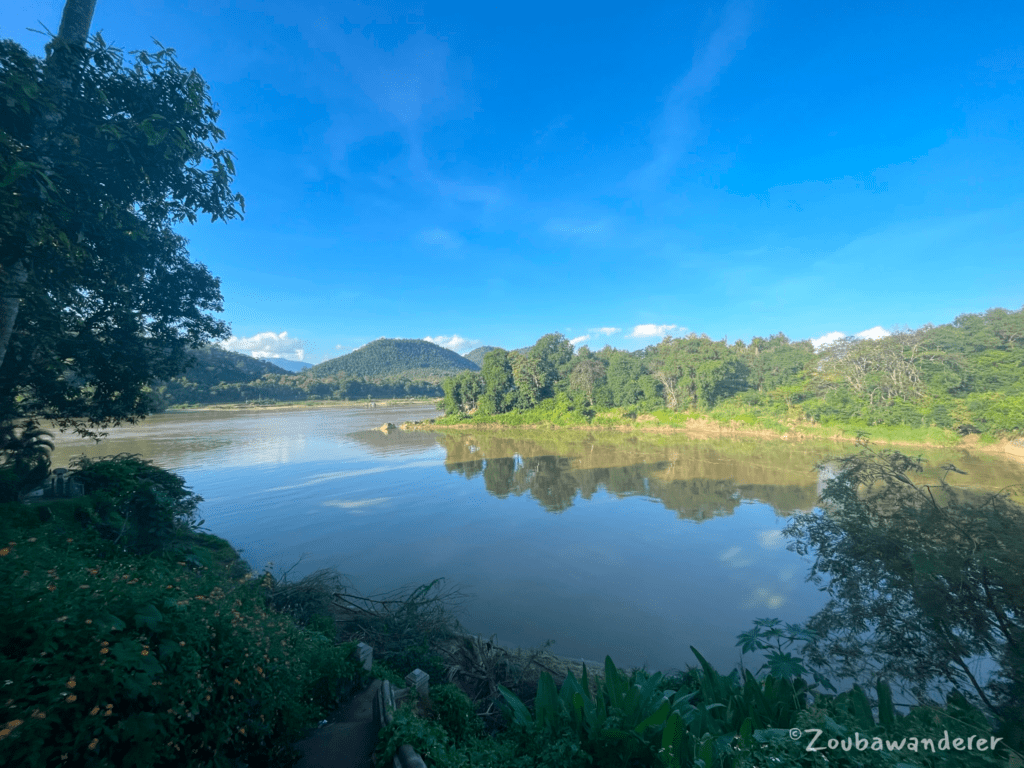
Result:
[[99, 160]]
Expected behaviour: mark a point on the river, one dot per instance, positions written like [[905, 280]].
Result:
[[606, 543]]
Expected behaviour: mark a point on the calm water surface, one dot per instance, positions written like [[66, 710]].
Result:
[[605, 543]]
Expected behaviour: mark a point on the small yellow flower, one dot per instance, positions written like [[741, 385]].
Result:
[[12, 724], [94, 711], [237, 681], [51, 587], [72, 697], [104, 650], [4, 733], [71, 683], [104, 643], [93, 743], [5, 552], [38, 715], [145, 653]]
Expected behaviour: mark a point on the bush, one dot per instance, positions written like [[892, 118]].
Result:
[[135, 661], [454, 711], [154, 504]]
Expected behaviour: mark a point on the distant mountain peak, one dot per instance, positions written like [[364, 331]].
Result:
[[414, 359]]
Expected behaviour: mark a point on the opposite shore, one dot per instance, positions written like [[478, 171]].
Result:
[[699, 427]]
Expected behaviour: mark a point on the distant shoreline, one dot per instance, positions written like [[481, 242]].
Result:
[[708, 428], [301, 404]]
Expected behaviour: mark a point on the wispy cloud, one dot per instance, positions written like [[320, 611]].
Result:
[[454, 342], [578, 340], [650, 330], [268, 344], [678, 129], [578, 228], [606, 331], [441, 237]]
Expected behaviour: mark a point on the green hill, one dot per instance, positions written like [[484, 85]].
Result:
[[477, 355], [214, 365], [396, 358]]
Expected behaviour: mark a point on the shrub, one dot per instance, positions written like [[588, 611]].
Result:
[[454, 711], [155, 504], [136, 661]]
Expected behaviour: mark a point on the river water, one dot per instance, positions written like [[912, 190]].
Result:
[[606, 543]]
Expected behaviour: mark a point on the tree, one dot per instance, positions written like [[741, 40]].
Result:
[[694, 371], [587, 375], [922, 580], [551, 356], [498, 383], [100, 160]]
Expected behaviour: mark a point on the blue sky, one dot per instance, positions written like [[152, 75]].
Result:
[[484, 175]]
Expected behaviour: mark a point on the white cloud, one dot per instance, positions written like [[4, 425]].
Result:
[[440, 237], [606, 331], [454, 342], [578, 340], [649, 330], [828, 338], [268, 344], [878, 332]]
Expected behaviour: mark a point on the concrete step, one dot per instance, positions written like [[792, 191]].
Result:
[[346, 741]]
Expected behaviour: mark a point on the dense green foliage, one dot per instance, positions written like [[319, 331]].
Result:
[[701, 718], [390, 358], [120, 659], [964, 377], [477, 355], [102, 159]]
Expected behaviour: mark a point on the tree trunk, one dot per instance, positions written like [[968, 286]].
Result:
[[72, 37]]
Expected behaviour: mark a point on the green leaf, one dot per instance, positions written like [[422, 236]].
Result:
[[521, 715], [148, 616], [886, 709]]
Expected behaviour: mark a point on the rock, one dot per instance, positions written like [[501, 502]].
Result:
[[385, 428]]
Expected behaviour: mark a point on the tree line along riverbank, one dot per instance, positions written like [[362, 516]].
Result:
[[928, 385]]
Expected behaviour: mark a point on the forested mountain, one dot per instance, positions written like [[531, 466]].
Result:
[[219, 376], [477, 355], [214, 365], [389, 358], [292, 366], [967, 375]]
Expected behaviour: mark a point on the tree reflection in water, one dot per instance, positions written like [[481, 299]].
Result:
[[925, 583]]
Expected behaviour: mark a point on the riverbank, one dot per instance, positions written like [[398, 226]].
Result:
[[301, 404], [702, 428]]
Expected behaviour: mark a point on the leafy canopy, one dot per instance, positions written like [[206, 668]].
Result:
[[102, 158]]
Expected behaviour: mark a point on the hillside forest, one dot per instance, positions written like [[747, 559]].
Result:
[[966, 376]]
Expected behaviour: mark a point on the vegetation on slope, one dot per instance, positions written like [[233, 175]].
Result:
[[389, 358], [130, 639], [477, 355], [966, 377]]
